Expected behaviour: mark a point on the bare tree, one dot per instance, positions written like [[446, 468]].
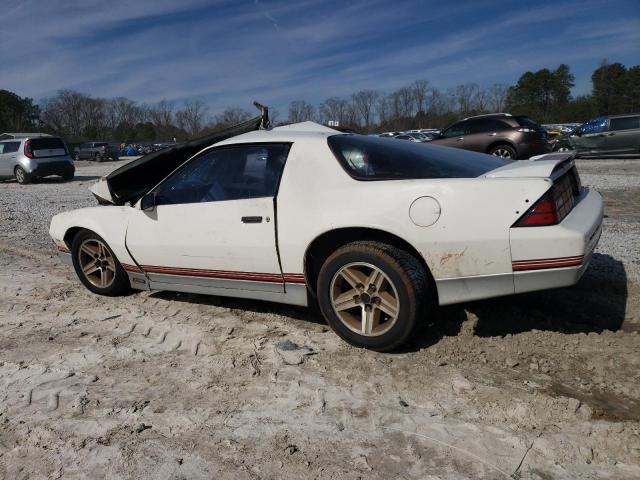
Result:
[[191, 117], [334, 109], [364, 103], [231, 116], [161, 114], [383, 109], [421, 94], [466, 97], [300, 111], [497, 97]]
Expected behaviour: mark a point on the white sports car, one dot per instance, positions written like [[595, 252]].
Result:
[[377, 230]]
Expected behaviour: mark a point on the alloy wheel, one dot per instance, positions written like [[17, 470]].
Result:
[[364, 299], [502, 152], [97, 263], [20, 175]]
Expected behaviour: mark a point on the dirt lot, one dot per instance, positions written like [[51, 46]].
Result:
[[161, 385]]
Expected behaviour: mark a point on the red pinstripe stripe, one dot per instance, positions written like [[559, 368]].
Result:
[[540, 264], [249, 276], [131, 268]]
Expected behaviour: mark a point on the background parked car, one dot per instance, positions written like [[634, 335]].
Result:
[[98, 151], [608, 135], [409, 136], [501, 134], [26, 159]]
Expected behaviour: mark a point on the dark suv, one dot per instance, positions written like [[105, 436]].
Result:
[[612, 135], [97, 151], [501, 134]]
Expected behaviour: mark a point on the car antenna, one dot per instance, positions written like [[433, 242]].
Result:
[[265, 124]]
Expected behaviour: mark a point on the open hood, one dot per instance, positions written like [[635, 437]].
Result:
[[131, 181]]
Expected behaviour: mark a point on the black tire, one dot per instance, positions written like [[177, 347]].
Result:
[[68, 176], [22, 177], [120, 283], [76, 157], [402, 269], [97, 157], [504, 151]]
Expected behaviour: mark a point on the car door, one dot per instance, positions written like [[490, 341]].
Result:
[[8, 157], [213, 223], [4, 161], [590, 137], [82, 151], [454, 136], [482, 132], [623, 135]]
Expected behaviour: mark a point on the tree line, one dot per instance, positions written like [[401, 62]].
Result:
[[543, 95]]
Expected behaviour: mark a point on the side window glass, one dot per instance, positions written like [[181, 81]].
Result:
[[11, 147], [233, 173], [597, 125], [625, 123], [486, 125], [456, 130]]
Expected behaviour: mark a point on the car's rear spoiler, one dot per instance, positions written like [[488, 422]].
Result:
[[550, 165], [131, 181]]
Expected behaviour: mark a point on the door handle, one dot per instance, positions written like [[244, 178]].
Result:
[[251, 219], [459, 139], [493, 134]]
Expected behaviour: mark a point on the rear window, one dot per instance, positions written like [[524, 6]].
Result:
[[624, 123], [371, 158], [46, 143], [527, 122]]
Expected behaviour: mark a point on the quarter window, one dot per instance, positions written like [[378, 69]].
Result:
[[233, 173], [624, 123], [11, 147]]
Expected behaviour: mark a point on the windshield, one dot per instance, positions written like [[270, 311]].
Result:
[[370, 158]]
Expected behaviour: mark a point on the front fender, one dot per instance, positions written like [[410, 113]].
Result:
[[110, 222]]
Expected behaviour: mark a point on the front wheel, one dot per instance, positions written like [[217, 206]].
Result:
[[96, 265], [372, 294], [504, 151]]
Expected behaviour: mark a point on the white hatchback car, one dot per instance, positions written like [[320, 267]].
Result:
[[378, 230]]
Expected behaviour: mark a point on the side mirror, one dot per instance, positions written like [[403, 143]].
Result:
[[148, 202]]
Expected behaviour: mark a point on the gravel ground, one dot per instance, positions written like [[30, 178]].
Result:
[[161, 385]]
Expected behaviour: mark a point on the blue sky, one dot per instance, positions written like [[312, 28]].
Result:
[[232, 52]]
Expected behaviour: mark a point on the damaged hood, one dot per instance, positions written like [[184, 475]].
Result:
[[131, 181]]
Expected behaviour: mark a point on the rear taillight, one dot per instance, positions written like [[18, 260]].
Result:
[[27, 149], [541, 214]]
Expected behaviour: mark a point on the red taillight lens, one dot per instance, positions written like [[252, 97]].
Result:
[[541, 214], [27, 149]]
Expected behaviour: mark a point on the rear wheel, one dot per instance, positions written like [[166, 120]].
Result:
[[97, 157], [22, 177], [97, 266], [372, 294], [67, 176], [504, 151], [76, 157]]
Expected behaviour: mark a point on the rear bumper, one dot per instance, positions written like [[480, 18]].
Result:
[[43, 169], [557, 256]]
